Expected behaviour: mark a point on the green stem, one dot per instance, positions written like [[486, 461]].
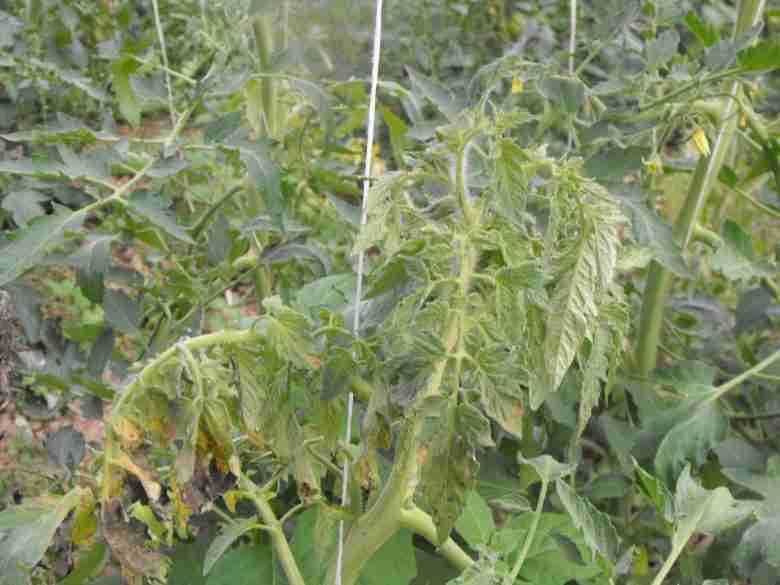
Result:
[[264, 40], [667, 566], [421, 523], [226, 337], [529, 538], [756, 203], [371, 530], [757, 369], [281, 546], [204, 220], [715, 77], [659, 279]]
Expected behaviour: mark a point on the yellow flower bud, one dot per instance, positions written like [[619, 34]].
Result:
[[517, 85], [700, 142]]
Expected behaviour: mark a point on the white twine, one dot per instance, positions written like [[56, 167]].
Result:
[[164, 51], [361, 263]]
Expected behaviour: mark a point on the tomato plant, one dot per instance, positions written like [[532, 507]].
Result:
[[552, 328]]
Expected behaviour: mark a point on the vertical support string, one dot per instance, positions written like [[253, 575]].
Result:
[[361, 262], [164, 51], [572, 34]]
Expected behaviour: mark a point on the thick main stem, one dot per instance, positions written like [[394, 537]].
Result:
[[659, 279], [421, 523], [386, 516], [264, 40], [281, 546]]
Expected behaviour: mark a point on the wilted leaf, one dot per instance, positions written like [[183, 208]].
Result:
[[578, 296], [450, 470]]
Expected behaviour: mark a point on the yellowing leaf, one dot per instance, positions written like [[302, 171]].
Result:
[[517, 85], [127, 431], [84, 521], [151, 487]]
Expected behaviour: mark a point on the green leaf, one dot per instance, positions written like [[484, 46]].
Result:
[[651, 230], [566, 91], [47, 169], [339, 368], [612, 165], [548, 468], [66, 447], [578, 296], [700, 510], [764, 56], [122, 313], [289, 334], [598, 530], [285, 251], [32, 243], [690, 440], [655, 490], [247, 565], [547, 562], [155, 208], [72, 77], [30, 529], [129, 105], [663, 48], [88, 565], [736, 258], [595, 371], [449, 471], [329, 292], [476, 523], [759, 544], [705, 32], [24, 205], [9, 26], [65, 130], [229, 533], [393, 564], [447, 103], [314, 546]]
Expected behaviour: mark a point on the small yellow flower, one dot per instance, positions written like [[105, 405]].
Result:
[[654, 165], [517, 85], [700, 142]]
